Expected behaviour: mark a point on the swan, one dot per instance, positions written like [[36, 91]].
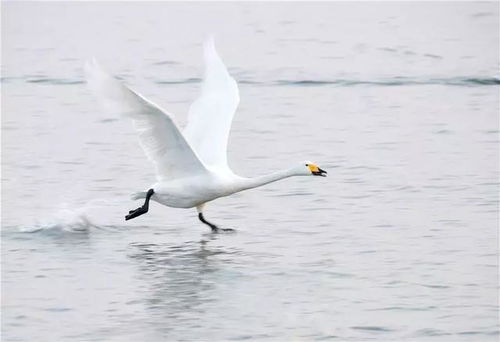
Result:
[[191, 166]]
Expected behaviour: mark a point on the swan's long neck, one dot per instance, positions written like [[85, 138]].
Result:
[[249, 183]]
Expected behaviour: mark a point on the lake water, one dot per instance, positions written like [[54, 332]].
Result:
[[399, 102]]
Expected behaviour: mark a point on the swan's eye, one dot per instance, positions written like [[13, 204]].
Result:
[[307, 164]]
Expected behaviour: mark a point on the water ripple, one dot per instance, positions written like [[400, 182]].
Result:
[[394, 81], [391, 81], [371, 328]]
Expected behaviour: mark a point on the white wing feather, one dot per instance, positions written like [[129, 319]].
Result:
[[159, 136], [210, 116]]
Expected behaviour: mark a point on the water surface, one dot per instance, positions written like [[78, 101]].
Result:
[[398, 101]]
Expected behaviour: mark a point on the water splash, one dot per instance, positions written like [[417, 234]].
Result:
[[71, 218]]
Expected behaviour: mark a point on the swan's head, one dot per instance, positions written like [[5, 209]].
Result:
[[311, 169]]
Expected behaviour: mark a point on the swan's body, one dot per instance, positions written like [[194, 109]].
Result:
[[191, 167], [192, 191]]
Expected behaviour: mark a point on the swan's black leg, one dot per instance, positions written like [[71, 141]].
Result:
[[141, 210], [212, 226]]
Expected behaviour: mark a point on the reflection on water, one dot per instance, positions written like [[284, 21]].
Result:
[[180, 277]]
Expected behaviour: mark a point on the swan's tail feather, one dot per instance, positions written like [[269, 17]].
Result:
[[138, 195]]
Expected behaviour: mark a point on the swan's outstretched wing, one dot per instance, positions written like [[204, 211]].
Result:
[[210, 116], [159, 136]]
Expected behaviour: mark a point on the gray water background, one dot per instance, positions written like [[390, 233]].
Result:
[[398, 101]]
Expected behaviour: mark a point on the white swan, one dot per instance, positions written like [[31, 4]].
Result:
[[191, 167]]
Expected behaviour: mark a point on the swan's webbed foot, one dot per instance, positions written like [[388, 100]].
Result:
[[217, 230], [227, 230], [141, 210], [212, 226], [134, 213]]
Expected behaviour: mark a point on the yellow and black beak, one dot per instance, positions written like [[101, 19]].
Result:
[[317, 171]]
